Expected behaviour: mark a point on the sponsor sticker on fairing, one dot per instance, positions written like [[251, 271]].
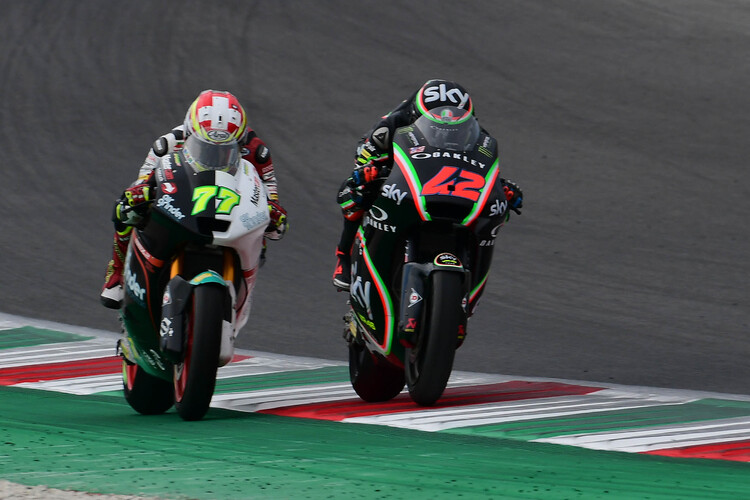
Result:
[[446, 259]]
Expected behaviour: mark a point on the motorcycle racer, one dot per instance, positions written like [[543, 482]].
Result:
[[374, 160], [215, 116]]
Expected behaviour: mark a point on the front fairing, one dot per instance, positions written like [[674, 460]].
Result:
[[213, 206], [447, 184], [208, 209]]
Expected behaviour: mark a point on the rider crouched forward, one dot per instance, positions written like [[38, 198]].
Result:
[[374, 160], [212, 110]]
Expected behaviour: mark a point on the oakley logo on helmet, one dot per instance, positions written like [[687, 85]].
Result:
[[444, 94]]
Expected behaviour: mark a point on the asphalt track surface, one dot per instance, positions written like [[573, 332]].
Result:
[[625, 122]]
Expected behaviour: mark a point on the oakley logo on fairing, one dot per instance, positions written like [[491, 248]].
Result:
[[493, 233], [452, 156], [393, 193], [388, 228], [375, 218], [440, 93], [378, 214]]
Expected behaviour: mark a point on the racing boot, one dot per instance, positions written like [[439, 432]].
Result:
[[342, 276], [112, 291]]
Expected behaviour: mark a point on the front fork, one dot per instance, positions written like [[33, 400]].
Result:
[[416, 289], [175, 308]]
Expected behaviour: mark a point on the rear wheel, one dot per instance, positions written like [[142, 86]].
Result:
[[373, 378], [145, 393], [195, 377], [429, 364]]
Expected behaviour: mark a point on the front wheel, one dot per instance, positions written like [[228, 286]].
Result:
[[195, 377], [429, 364], [145, 393], [373, 378]]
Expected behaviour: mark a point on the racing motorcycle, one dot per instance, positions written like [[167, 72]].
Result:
[[421, 257], [190, 270]]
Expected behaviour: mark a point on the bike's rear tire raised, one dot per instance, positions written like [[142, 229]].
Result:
[[374, 379], [195, 377], [145, 393], [428, 366]]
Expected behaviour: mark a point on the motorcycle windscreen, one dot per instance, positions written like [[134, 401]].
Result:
[[204, 155], [449, 127]]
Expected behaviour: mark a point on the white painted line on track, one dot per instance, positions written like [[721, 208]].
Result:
[[56, 353], [80, 386], [660, 437], [439, 419], [252, 401]]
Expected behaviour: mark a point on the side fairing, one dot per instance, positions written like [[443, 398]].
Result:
[[247, 223], [371, 297]]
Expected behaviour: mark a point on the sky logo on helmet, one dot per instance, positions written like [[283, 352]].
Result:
[[443, 94]]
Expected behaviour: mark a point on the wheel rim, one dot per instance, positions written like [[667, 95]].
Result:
[[130, 371]]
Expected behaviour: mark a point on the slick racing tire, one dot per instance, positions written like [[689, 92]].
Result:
[[145, 393], [429, 364], [195, 377], [373, 378]]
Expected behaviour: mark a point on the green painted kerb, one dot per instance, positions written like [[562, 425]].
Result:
[[99, 444], [28, 336]]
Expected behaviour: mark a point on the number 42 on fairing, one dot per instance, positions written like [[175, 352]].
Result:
[[452, 181]]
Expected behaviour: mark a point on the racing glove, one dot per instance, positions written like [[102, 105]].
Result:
[[135, 201], [365, 174], [513, 194], [278, 225]]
